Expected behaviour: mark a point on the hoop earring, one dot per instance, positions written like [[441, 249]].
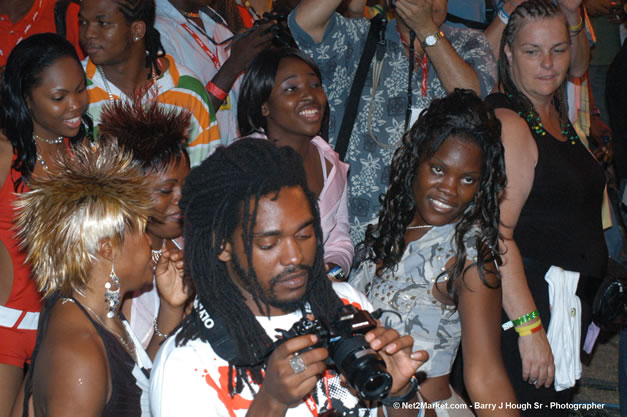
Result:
[[112, 293]]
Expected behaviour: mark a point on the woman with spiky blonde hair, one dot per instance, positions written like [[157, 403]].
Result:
[[84, 235]]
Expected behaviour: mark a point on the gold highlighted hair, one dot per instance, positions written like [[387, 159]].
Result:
[[94, 192]]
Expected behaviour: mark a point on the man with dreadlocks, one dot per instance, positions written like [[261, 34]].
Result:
[[253, 248], [126, 60]]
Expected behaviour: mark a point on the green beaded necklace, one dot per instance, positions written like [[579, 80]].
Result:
[[535, 124]]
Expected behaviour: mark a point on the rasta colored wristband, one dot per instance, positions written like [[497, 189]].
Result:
[[520, 320], [216, 91], [536, 327]]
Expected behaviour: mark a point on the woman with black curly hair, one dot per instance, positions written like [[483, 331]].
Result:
[[432, 255]]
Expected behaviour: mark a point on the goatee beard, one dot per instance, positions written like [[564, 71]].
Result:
[[269, 297]]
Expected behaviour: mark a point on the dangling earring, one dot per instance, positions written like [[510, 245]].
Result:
[[112, 296]]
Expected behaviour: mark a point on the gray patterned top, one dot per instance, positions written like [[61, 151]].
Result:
[[338, 56], [408, 290]]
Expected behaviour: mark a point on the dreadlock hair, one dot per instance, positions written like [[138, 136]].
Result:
[[155, 135], [24, 69], [220, 194], [97, 192], [145, 11], [465, 116], [526, 11], [258, 83]]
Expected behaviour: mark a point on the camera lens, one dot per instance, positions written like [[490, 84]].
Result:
[[363, 367]]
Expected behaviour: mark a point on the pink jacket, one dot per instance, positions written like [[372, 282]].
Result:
[[333, 206]]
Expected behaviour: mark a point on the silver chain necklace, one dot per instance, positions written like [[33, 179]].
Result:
[[55, 141], [130, 349], [422, 226], [106, 83]]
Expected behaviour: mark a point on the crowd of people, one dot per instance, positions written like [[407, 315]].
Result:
[[292, 208]]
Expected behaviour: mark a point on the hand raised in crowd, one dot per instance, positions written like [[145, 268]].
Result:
[[244, 49], [417, 14], [537, 359], [571, 6]]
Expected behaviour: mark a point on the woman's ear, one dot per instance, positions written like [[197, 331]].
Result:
[[265, 112], [508, 53], [226, 252], [106, 249]]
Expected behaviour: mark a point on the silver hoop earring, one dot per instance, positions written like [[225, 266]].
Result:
[[112, 293]]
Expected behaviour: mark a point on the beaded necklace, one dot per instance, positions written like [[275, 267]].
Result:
[[535, 123]]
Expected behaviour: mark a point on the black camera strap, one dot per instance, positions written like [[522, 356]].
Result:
[[376, 34], [467, 22]]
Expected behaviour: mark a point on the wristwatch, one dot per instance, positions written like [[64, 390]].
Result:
[[432, 39]]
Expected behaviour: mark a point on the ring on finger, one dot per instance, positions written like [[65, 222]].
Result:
[[297, 364]]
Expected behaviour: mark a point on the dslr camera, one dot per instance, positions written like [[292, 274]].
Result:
[[281, 36], [343, 337]]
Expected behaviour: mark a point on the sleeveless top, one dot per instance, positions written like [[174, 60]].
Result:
[[560, 223], [24, 294], [408, 290], [130, 383]]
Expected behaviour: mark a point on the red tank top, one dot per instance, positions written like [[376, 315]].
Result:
[[24, 295]]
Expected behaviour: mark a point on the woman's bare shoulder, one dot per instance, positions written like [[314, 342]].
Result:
[[71, 368]]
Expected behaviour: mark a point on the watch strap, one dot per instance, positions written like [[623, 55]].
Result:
[[437, 36]]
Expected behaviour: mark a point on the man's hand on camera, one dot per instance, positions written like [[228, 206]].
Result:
[[395, 350], [291, 375]]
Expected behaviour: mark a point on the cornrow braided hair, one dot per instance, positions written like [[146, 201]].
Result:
[[145, 11], [531, 9], [464, 115], [221, 193]]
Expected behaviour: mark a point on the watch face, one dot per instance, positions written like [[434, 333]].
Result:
[[430, 40]]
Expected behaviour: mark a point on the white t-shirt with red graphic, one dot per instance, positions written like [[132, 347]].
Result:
[[192, 380]]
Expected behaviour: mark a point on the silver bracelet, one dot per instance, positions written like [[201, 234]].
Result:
[[157, 332]]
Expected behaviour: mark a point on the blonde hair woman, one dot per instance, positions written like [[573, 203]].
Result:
[[84, 232]]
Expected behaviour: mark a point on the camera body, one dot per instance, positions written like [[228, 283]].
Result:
[[343, 337], [281, 36]]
